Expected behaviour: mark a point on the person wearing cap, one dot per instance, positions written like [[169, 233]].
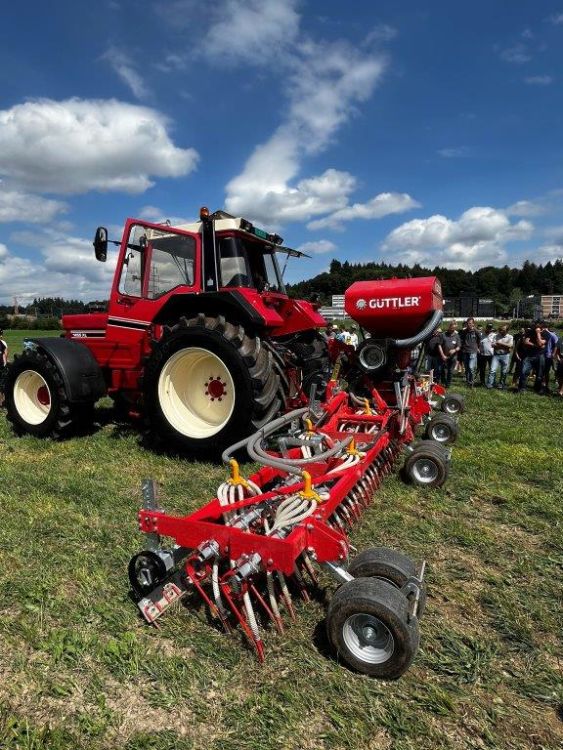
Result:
[[3, 365]]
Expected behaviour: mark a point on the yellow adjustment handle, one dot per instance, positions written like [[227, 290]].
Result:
[[310, 430], [367, 409], [236, 478], [308, 492], [351, 450]]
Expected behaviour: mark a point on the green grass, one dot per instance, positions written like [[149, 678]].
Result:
[[79, 669], [14, 338]]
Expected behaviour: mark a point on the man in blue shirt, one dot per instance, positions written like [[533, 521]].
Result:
[[549, 352]]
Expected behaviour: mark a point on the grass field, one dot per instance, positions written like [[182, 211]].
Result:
[[80, 670]]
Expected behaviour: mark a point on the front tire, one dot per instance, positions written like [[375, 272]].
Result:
[[208, 384]]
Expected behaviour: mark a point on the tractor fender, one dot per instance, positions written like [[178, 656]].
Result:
[[81, 374]]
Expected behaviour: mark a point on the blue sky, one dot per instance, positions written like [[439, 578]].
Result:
[[405, 131]]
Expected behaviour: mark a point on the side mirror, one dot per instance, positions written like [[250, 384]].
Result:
[[101, 244]]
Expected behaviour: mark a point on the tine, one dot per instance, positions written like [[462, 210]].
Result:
[[242, 621], [308, 566], [286, 596], [301, 585], [273, 601], [265, 606]]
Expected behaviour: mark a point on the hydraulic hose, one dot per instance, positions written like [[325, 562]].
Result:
[[429, 328], [279, 422]]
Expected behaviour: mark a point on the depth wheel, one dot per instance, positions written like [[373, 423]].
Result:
[[453, 403], [368, 625], [443, 429], [146, 571], [389, 565], [36, 400], [207, 385], [426, 467]]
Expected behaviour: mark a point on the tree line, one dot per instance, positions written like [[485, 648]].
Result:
[[504, 285]]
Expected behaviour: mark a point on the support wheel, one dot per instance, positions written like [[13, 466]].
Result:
[[146, 571], [453, 403], [368, 625], [36, 400], [389, 565], [442, 428], [208, 384], [426, 467]]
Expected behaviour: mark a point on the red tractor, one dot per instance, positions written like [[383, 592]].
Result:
[[202, 341]]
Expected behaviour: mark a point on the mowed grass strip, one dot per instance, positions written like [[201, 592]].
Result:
[[80, 669]]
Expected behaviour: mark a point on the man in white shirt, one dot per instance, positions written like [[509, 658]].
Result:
[[486, 351], [502, 346], [354, 341]]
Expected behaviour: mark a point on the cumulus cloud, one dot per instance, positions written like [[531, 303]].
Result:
[[317, 248], [477, 238], [381, 205], [67, 268], [125, 70], [78, 145], [157, 215], [556, 19], [16, 205], [325, 83], [517, 55], [251, 31], [544, 80]]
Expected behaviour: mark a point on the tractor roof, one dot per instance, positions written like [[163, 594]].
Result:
[[225, 222]]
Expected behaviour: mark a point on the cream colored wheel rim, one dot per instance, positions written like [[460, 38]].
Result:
[[32, 397], [196, 393]]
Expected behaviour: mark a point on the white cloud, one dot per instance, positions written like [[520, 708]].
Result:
[[325, 81], [544, 80], [556, 19], [547, 253], [67, 269], [77, 145], [16, 205], [381, 32], [517, 55], [477, 238], [251, 31], [455, 152], [125, 70], [158, 216], [381, 205], [525, 209], [317, 248]]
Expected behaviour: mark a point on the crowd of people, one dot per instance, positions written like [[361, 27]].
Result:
[[489, 357], [341, 333]]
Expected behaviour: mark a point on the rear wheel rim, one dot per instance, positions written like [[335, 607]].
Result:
[[368, 638], [441, 433], [451, 407], [425, 471], [32, 397], [196, 392]]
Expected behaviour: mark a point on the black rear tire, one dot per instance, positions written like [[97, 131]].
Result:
[[426, 467], [453, 403], [368, 624], [390, 565], [442, 428], [27, 404], [246, 367]]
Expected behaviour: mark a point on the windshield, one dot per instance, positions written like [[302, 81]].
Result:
[[244, 263], [156, 262]]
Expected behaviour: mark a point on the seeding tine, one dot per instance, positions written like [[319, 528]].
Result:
[[213, 609], [308, 566], [286, 596], [274, 602], [301, 585], [269, 611], [253, 637]]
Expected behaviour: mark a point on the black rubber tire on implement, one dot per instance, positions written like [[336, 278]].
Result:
[[376, 603], [59, 420], [453, 403], [426, 466], [390, 565], [146, 571], [257, 390], [442, 428]]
